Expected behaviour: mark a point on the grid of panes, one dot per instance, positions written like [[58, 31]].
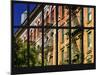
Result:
[[53, 35]]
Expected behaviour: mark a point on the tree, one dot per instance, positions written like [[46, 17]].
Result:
[[21, 53], [22, 56]]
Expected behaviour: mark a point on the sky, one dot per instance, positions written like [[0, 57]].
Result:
[[18, 9]]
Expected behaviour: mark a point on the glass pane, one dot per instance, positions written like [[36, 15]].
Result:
[[76, 16], [88, 46], [50, 15], [63, 46], [19, 13], [32, 7], [76, 46], [20, 47], [88, 15], [49, 47], [35, 15], [35, 39], [63, 16]]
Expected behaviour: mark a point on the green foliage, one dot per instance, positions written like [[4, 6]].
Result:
[[21, 59], [21, 54], [33, 56]]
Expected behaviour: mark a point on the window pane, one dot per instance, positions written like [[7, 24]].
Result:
[[50, 15], [35, 39], [63, 16], [49, 47], [88, 15], [35, 15], [76, 16], [76, 46], [88, 46], [63, 46], [20, 47], [19, 13], [32, 7]]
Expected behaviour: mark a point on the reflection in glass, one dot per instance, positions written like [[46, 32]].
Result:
[[88, 46], [66, 53], [20, 13], [63, 16], [76, 16], [35, 39], [50, 15], [32, 6], [38, 20], [76, 46], [63, 46], [20, 48], [88, 15], [50, 47]]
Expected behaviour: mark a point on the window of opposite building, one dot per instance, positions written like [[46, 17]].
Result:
[[62, 11], [89, 14], [80, 47], [67, 22], [62, 35], [68, 54], [89, 56], [47, 18], [89, 40], [80, 16], [63, 60], [52, 15], [67, 33]]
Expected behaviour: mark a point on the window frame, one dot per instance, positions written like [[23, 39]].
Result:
[[56, 67]]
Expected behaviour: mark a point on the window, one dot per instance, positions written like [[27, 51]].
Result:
[[31, 32], [80, 16], [67, 22], [63, 35], [49, 46], [47, 18], [36, 44], [62, 11], [76, 17], [52, 14], [67, 34], [89, 40], [76, 45], [63, 59], [89, 14], [67, 61]]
